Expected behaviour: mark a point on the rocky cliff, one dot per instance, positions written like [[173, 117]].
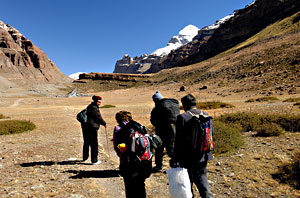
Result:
[[143, 63], [244, 24], [24, 63]]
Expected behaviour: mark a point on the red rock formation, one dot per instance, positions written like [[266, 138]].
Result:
[[24, 63]]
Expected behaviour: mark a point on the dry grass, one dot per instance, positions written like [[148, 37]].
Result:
[[57, 129]]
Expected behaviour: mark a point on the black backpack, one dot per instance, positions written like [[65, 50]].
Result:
[[171, 108]]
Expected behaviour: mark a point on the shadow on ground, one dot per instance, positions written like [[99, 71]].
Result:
[[94, 174], [51, 163]]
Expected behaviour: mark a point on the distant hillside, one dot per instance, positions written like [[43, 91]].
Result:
[[23, 63], [244, 24], [266, 63]]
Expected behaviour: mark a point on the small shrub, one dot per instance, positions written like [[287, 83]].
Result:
[[227, 138], [250, 100], [297, 104], [2, 116], [269, 129], [15, 126], [289, 123], [253, 121], [292, 100], [267, 98], [107, 106], [247, 121], [290, 173], [213, 105]]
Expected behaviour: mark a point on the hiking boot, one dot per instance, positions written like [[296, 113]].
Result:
[[96, 163]]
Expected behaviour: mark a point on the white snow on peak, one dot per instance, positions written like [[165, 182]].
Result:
[[75, 76], [185, 36], [189, 30], [219, 22]]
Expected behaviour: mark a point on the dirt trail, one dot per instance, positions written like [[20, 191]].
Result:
[[16, 102], [45, 162]]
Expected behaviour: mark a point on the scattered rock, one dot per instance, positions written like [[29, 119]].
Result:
[[182, 88]]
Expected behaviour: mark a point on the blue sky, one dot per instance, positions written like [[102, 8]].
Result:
[[91, 35]]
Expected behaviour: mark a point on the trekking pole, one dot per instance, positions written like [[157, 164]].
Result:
[[107, 142]]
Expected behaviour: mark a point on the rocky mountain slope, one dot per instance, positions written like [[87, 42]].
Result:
[[265, 64], [143, 63], [211, 40], [23, 63], [244, 24]]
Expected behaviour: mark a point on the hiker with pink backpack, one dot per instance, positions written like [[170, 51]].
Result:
[[133, 146]]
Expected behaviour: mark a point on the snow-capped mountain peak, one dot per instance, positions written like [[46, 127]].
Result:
[[185, 36], [189, 30], [75, 76], [219, 22]]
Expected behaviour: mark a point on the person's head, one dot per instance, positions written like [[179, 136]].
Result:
[[188, 102], [157, 96], [97, 99], [122, 116]]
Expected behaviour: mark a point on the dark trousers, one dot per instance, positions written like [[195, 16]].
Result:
[[90, 139], [197, 174], [167, 135], [134, 177], [135, 186]]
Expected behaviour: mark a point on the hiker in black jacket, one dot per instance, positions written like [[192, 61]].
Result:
[[90, 130], [184, 153], [163, 118]]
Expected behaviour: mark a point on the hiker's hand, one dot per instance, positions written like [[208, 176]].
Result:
[[123, 150]]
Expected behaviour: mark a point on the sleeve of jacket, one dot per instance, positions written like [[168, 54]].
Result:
[[115, 140], [154, 119]]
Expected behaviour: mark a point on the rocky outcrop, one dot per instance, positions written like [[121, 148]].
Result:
[[244, 24], [136, 65], [143, 63], [24, 63], [114, 76]]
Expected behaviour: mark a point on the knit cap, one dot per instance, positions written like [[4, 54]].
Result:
[[157, 95]]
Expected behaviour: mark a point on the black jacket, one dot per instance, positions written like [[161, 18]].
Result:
[[183, 141], [94, 118]]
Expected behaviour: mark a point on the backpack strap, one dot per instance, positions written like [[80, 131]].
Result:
[[200, 114]]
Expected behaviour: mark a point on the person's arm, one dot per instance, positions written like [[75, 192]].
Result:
[[97, 116], [115, 140]]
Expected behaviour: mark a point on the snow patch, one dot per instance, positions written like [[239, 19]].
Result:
[[75, 76]]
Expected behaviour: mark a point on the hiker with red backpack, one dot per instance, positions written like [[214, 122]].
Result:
[[193, 144], [132, 145], [163, 118]]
